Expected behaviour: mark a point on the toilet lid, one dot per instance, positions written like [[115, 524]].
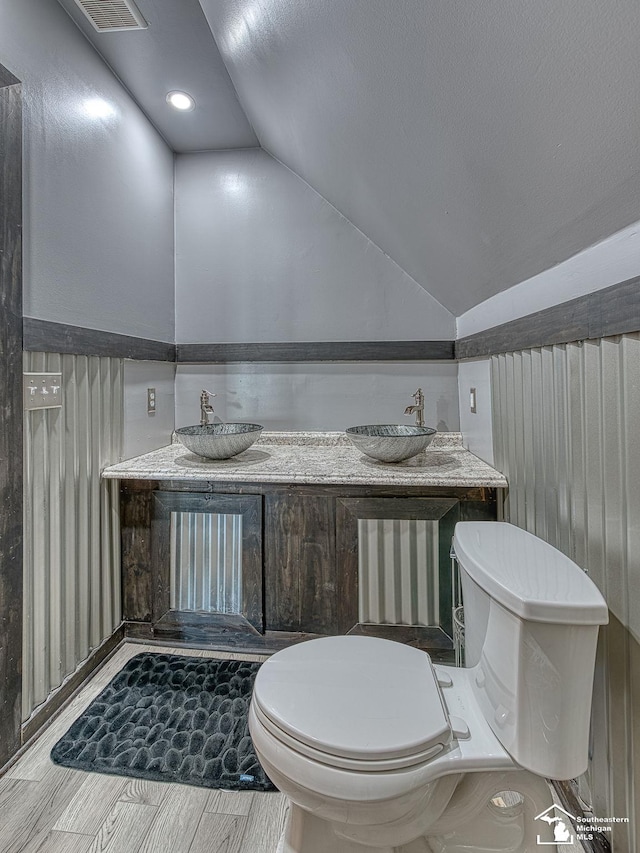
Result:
[[356, 697], [526, 575]]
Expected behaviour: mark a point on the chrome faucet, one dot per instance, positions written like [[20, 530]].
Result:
[[418, 396], [206, 408]]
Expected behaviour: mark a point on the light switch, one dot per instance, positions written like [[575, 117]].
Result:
[[472, 400], [42, 391]]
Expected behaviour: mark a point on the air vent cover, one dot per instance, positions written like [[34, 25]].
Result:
[[113, 15]]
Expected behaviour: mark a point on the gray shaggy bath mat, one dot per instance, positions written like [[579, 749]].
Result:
[[170, 718]]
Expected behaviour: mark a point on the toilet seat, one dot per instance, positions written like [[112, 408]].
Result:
[[358, 765], [372, 705]]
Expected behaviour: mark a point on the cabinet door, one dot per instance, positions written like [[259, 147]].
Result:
[[207, 555], [393, 563], [300, 565]]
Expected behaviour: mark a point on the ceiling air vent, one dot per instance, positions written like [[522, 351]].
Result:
[[113, 15]]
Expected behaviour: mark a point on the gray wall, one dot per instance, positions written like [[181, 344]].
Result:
[[143, 431], [260, 256], [319, 396], [98, 216], [476, 427]]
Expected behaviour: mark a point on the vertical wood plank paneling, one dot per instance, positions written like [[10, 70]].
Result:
[[72, 564], [304, 593], [572, 456], [137, 552]]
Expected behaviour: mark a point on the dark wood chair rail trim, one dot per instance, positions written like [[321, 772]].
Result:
[[46, 336], [315, 351], [614, 310]]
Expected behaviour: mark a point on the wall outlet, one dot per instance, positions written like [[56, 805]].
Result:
[[472, 400], [42, 391], [151, 401]]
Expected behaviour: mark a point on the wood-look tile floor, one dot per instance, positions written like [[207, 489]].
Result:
[[49, 809]]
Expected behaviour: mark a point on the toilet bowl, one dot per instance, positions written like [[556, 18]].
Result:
[[378, 749]]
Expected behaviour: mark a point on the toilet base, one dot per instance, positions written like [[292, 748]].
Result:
[[306, 833], [470, 823]]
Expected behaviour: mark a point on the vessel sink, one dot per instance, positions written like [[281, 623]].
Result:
[[390, 442], [219, 441]]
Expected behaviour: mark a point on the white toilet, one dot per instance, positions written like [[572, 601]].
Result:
[[377, 749]]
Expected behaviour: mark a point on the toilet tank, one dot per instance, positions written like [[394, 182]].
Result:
[[531, 627]]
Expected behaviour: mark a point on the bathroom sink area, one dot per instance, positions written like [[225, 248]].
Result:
[[390, 442], [219, 441], [321, 458]]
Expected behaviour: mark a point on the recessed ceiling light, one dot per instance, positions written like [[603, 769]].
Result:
[[181, 101]]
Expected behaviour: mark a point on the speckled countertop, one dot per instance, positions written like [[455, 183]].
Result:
[[316, 457]]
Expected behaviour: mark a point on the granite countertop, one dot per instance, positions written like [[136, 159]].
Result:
[[316, 457]]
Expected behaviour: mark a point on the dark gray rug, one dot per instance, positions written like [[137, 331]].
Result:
[[170, 718]]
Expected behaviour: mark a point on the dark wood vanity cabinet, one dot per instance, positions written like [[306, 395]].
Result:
[[298, 566]]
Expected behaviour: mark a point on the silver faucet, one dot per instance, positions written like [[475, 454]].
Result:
[[418, 396], [206, 408]]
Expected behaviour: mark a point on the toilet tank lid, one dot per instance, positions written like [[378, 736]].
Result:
[[526, 575]]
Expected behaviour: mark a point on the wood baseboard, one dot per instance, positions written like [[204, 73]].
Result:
[[138, 631]]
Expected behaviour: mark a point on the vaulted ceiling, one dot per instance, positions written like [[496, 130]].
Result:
[[475, 143]]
